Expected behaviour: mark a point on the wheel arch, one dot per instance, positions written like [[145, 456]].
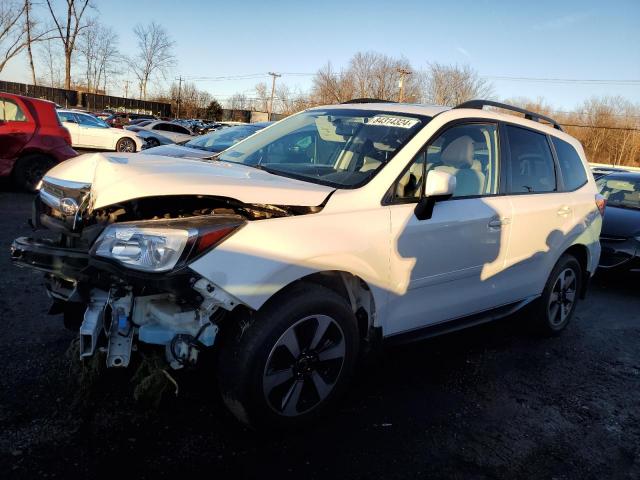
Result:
[[355, 291], [581, 253]]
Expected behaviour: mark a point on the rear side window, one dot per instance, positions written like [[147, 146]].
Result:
[[67, 117], [165, 127], [573, 174], [531, 168], [10, 111]]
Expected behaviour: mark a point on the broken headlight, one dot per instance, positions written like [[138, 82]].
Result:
[[159, 245]]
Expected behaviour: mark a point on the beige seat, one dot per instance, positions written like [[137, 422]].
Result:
[[457, 159]]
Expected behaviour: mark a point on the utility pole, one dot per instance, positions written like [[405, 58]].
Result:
[[179, 92], [403, 73], [273, 91]]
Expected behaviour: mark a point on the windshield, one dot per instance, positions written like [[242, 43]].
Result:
[[222, 139], [621, 191], [336, 147]]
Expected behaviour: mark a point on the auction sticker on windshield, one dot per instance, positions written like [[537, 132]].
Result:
[[392, 121]]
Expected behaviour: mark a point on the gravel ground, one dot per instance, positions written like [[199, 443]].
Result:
[[491, 402]]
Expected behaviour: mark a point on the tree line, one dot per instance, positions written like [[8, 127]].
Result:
[[69, 29], [609, 127]]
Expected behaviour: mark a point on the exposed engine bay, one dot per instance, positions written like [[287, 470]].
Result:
[[121, 271]]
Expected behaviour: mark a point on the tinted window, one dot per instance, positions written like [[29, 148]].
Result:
[[67, 117], [531, 164], [573, 174], [179, 129], [620, 191], [165, 127], [89, 121], [468, 152], [10, 111], [222, 139]]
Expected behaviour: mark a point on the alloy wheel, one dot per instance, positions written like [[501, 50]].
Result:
[[126, 145], [562, 298], [304, 365]]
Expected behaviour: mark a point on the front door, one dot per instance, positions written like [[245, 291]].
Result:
[[450, 265]]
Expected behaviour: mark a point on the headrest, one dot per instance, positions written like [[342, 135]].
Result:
[[459, 153]]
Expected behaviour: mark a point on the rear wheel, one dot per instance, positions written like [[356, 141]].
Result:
[[30, 169], [292, 361], [125, 145], [555, 308]]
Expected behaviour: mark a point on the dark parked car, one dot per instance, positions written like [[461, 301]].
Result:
[[620, 236], [211, 143], [32, 139]]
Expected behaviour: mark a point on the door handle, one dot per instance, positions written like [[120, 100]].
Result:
[[564, 211]]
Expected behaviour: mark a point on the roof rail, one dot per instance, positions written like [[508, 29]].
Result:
[[536, 117], [366, 100]]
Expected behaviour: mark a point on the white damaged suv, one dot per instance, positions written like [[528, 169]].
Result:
[[321, 237]]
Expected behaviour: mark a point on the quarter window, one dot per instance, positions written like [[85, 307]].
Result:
[[531, 164], [10, 111], [468, 152], [573, 173]]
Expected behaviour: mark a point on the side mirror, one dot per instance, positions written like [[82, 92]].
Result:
[[440, 186]]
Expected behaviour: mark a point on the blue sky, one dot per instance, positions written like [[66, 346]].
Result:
[[540, 39]]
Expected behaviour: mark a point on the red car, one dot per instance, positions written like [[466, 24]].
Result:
[[32, 139]]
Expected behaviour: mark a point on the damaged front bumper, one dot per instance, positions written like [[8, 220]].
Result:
[[178, 311]]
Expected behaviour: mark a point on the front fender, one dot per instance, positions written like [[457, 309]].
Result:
[[267, 255]]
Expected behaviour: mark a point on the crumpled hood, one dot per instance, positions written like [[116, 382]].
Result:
[[117, 177]]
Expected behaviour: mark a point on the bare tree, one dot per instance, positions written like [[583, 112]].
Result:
[[263, 96], [68, 28], [452, 84], [238, 101], [98, 47], [368, 75], [48, 56], [13, 33], [155, 56]]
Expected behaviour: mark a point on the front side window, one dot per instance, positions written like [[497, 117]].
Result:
[[531, 168], [468, 152], [89, 121], [179, 129], [343, 148], [571, 167], [10, 111]]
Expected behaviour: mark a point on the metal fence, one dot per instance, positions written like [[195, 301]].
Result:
[[90, 101]]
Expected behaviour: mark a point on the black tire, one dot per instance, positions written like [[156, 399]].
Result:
[[250, 353], [29, 170], [125, 144], [553, 311]]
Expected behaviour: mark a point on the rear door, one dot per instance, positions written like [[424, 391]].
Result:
[[16, 129], [542, 212], [93, 133]]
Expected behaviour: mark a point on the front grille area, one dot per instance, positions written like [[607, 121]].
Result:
[[52, 192]]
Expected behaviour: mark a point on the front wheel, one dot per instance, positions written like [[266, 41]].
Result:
[[555, 308], [291, 361]]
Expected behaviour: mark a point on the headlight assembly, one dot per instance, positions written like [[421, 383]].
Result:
[[160, 245]]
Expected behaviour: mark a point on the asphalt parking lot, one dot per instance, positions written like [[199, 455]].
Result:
[[491, 402]]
